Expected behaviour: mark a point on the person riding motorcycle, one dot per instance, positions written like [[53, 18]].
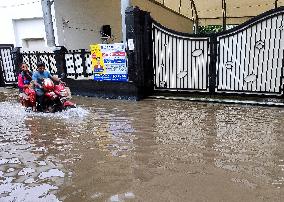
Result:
[[38, 77], [25, 86], [24, 77]]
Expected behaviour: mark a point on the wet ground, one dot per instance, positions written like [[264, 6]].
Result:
[[152, 150]]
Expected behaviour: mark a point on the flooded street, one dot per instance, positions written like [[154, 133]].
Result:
[[151, 150]]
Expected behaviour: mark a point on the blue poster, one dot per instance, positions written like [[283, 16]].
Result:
[[113, 62]]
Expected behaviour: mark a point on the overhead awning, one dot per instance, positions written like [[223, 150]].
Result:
[[211, 11], [240, 9]]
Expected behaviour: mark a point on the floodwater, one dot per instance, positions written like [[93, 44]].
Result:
[[151, 150]]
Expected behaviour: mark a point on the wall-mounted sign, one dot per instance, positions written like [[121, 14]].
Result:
[[109, 62]]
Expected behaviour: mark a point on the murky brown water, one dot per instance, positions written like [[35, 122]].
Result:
[[152, 150]]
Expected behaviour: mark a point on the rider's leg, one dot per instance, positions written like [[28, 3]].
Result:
[[39, 98]]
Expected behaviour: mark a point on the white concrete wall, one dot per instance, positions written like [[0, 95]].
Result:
[[166, 17], [29, 30], [78, 23], [17, 13]]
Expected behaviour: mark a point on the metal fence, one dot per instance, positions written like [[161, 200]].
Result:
[[7, 67], [78, 64], [32, 58]]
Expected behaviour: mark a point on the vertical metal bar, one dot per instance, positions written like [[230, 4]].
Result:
[[213, 64], [240, 61], [278, 64], [83, 53], [245, 57], [29, 54], [281, 80], [194, 16], [74, 63], [191, 63], [259, 62], [2, 79], [197, 64], [263, 58], [172, 62], [165, 60], [224, 11], [269, 58], [155, 52], [276, 3], [49, 63], [169, 62], [183, 50], [250, 53], [208, 59], [231, 60], [187, 65], [203, 72], [176, 60], [158, 67], [227, 56], [163, 63], [282, 63], [275, 51]]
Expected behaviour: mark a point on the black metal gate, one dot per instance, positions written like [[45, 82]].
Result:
[[181, 61], [247, 59], [7, 67]]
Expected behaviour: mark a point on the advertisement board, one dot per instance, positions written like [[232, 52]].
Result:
[[109, 62]]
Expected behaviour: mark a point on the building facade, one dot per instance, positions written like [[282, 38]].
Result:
[[22, 24], [81, 23]]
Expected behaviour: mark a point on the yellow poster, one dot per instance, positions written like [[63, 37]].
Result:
[[97, 59]]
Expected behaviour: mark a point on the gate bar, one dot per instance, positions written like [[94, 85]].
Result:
[[224, 10], [276, 3]]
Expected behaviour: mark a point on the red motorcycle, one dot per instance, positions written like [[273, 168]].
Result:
[[56, 96]]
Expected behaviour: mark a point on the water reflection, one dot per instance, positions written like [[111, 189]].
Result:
[[247, 140], [20, 160], [153, 150]]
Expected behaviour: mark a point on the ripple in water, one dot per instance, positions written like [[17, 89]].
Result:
[[27, 171]]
